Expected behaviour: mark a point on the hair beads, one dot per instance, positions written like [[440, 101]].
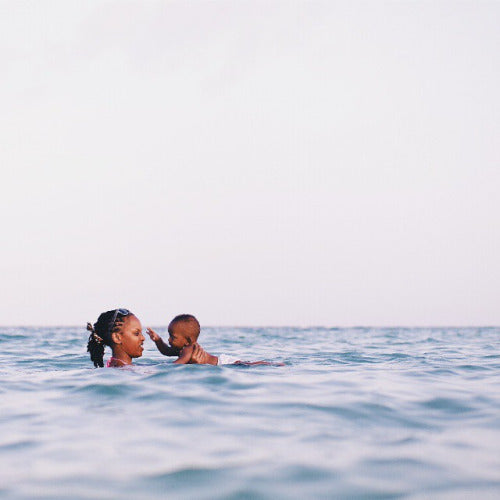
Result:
[[108, 323]]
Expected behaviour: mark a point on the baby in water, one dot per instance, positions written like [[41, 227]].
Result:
[[184, 331]]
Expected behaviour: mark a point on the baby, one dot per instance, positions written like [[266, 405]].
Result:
[[184, 331]]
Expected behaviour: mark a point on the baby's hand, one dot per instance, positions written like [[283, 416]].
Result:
[[153, 335]]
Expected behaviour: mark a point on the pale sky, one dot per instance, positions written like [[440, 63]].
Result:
[[252, 163]]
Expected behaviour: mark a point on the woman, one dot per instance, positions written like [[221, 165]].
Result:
[[122, 331]]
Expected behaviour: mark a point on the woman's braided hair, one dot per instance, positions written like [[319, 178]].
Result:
[[101, 332]]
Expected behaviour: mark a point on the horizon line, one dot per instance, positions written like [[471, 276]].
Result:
[[279, 326]]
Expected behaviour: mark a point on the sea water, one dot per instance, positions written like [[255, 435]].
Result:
[[353, 413]]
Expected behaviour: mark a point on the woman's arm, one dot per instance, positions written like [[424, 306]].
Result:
[[201, 357], [195, 354]]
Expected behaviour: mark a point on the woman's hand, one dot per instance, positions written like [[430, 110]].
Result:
[[201, 357]]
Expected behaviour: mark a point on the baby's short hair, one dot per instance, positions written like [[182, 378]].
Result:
[[189, 319]]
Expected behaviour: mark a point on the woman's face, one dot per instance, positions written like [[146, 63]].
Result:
[[131, 337]]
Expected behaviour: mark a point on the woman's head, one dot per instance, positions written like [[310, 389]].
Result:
[[118, 329]]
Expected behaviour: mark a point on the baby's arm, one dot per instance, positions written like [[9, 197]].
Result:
[[165, 349], [185, 355]]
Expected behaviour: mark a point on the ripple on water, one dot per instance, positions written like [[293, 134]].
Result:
[[448, 405], [358, 413]]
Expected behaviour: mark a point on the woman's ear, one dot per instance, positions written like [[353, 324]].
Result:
[[116, 337]]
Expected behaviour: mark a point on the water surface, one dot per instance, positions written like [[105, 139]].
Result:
[[354, 413]]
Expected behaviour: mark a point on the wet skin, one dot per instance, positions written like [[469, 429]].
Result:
[[182, 334], [180, 344], [128, 340]]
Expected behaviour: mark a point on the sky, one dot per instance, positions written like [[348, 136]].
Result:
[[252, 163]]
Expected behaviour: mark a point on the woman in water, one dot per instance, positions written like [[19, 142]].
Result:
[[122, 331]]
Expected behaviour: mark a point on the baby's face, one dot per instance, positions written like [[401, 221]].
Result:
[[178, 337]]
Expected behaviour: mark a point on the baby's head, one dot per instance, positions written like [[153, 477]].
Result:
[[184, 330]]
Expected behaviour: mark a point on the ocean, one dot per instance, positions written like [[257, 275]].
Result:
[[353, 413]]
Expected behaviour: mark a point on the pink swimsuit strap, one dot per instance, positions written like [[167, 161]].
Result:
[[111, 359]]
